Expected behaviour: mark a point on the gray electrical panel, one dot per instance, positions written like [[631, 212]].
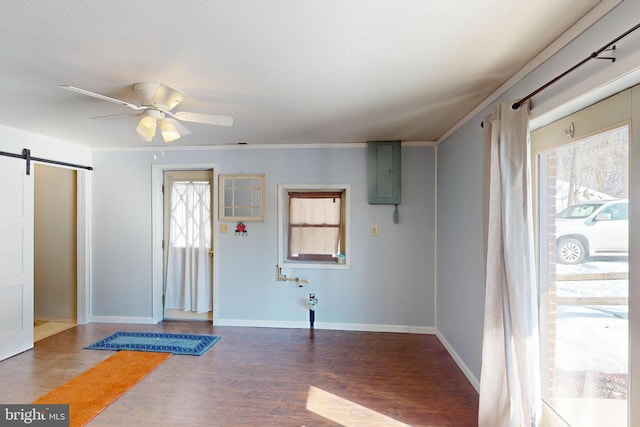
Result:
[[383, 172]]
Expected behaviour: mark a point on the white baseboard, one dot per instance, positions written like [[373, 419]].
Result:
[[377, 328], [326, 325], [260, 323], [465, 369], [118, 319]]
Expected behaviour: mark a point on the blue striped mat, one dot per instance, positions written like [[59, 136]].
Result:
[[194, 345]]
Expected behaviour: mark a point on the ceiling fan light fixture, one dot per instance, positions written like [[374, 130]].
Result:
[[155, 104], [147, 127], [145, 138], [169, 131]]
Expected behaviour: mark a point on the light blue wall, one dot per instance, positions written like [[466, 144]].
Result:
[[460, 244], [390, 283], [460, 281]]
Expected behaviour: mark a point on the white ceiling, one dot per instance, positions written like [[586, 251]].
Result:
[[288, 71]]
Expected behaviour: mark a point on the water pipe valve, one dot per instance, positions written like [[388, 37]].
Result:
[[313, 301], [283, 277]]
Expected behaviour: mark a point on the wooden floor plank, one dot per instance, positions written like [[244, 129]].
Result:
[[264, 377]]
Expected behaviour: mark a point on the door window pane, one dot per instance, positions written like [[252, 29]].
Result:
[[583, 239]]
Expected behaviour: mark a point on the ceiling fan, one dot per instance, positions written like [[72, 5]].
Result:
[[156, 102]]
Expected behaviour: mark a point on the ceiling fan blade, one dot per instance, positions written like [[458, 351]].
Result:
[[210, 119], [182, 129], [115, 116], [102, 97]]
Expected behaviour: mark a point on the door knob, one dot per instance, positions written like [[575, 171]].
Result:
[[211, 254]]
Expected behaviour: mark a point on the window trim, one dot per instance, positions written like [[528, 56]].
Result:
[[283, 226]]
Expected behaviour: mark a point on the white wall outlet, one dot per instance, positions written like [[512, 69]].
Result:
[[374, 230], [224, 228]]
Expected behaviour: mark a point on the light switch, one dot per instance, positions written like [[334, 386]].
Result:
[[224, 228], [374, 230]]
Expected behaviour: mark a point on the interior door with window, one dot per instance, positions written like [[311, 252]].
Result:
[[582, 187], [16, 258], [188, 245]]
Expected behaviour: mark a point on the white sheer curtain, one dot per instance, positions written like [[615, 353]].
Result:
[[510, 377], [188, 284]]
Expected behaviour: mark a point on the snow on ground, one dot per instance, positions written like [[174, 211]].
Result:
[[594, 288], [596, 265], [593, 337]]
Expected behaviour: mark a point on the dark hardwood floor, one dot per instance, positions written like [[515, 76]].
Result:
[[264, 377]]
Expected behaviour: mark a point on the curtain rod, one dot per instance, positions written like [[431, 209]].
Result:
[[26, 155], [593, 55]]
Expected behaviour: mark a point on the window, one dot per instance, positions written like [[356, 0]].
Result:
[[313, 226], [241, 197], [190, 220]]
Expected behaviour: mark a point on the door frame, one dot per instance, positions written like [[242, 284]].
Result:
[[83, 246], [157, 216]]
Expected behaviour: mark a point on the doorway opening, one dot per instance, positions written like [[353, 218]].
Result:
[[55, 250], [188, 245]]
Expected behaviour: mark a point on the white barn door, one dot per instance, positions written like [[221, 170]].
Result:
[[16, 258]]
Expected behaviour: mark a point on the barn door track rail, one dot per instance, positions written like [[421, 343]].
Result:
[[26, 155]]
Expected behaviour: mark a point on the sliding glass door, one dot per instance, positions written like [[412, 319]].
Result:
[[583, 193]]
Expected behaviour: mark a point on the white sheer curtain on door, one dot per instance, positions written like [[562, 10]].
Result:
[[188, 284], [510, 376]]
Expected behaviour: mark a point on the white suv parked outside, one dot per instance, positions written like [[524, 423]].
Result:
[[593, 228]]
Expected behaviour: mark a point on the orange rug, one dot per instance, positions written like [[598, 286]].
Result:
[[91, 392]]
